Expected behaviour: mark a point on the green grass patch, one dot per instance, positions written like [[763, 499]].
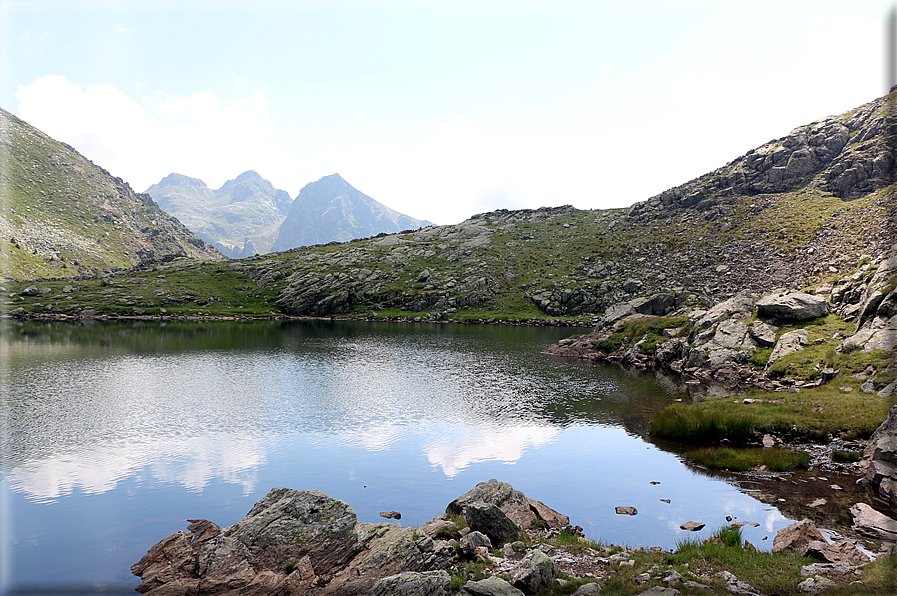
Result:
[[692, 423], [846, 457], [777, 459]]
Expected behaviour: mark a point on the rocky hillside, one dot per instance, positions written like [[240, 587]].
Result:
[[240, 219], [332, 210], [63, 216]]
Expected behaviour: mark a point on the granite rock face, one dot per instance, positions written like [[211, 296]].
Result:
[[797, 306]]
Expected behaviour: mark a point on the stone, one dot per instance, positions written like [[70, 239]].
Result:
[[534, 571], [30, 291], [625, 510], [817, 568], [391, 514], [670, 577], [764, 333], [816, 585], [439, 527], [870, 522], [412, 583], [524, 512], [841, 552], [473, 540], [659, 591], [788, 343], [880, 458], [617, 312], [491, 521], [589, 589], [692, 526], [788, 304], [738, 587], [797, 537], [491, 586]]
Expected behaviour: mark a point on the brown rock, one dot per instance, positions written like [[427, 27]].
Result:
[[797, 537], [867, 520], [440, 527], [841, 552], [625, 510], [391, 514], [692, 526]]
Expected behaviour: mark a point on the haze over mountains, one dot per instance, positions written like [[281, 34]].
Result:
[[248, 216]]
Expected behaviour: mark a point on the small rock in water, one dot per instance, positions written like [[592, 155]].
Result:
[[692, 526], [665, 500], [391, 514], [624, 510], [654, 482]]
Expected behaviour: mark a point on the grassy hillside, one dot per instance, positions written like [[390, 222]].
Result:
[[63, 216]]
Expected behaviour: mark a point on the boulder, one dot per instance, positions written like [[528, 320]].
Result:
[[788, 343], [534, 571], [617, 312], [491, 586], [870, 522], [816, 585], [841, 552], [797, 537], [473, 540], [788, 304], [589, 589], [764, 333], [524, 512], [411, 583], [625, 510], [440, 527], [491, 521], [881, 457], [692, 526]]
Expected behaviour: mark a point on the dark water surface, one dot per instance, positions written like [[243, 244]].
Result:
[[115, 433]]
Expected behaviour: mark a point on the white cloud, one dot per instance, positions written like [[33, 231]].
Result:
[[189, 462], [143, 141], [458, 447]]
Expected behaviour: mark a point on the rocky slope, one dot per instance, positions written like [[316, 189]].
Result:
[[240, 219], [332, 210], [63, 216]]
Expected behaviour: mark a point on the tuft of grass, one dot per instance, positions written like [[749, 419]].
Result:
[[683, 422], [777, 459], [845, 456]]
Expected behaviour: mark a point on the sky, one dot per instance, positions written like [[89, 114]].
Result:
[[439, 110]]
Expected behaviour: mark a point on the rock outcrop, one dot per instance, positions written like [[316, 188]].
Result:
[[523, 512], [290, 542], [881, 458]]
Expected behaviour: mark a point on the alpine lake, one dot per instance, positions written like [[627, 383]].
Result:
[[115, 433]]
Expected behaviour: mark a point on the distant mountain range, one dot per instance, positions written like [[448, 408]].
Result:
[[248, 216], [61, 215]]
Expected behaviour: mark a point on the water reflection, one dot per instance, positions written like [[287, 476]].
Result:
[[123, 430]]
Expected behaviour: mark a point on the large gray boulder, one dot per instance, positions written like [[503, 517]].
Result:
[[788, 304], [523, 511], [534, 571], [881, 457], [491, 521], [412, 583], [491, 586]]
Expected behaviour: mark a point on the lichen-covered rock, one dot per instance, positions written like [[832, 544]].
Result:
[[534, 571], [524, 512], [491, 586], [491, 521], [473, 540], [411, 583], [788, 304], [788, 343]]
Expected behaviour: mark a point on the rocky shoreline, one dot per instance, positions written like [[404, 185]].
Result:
[[491, 541]]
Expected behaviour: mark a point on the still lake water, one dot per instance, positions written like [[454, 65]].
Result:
[[115, 433]]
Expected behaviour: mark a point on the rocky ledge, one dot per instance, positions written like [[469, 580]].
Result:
[[737, 342], [303, 542]]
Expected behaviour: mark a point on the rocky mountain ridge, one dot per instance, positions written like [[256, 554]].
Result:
[[63, 216], [331, 209], [248, 216], [240, 219]]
